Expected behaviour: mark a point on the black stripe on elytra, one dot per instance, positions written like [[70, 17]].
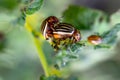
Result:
[[64, 27]]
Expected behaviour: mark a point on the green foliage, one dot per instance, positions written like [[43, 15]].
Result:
[[31, 6], [8, 4], [110, 36], [50, 78], [115, 18], [81, 17], [20, 20], [85, 19], [57, 78], [48, 52]]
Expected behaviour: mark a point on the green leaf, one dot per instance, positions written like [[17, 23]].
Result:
[[110, 36], [57, 78], [48, 52], [50, 78], [8, 4], [20, 19], [102, 46], [115, 18], [31, 6], [81, 17]]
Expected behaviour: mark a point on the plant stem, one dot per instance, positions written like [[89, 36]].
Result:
[[38, 45], [41, 56]]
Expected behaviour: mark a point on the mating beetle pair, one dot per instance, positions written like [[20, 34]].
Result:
[[53, 30]]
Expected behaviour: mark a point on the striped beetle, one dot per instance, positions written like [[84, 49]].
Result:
[[94, 39], [65, 30], [47, 26], [58, 33]]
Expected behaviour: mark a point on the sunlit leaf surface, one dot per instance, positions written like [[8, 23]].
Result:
[[81, 17]]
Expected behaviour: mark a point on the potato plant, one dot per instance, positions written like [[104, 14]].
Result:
[[20, 32]]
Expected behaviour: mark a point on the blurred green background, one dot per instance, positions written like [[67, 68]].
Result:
[[19, 59]]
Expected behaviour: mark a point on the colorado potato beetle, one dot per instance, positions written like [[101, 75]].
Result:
[[59, 33], [65, 30], [94, 39], [47, 26]]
